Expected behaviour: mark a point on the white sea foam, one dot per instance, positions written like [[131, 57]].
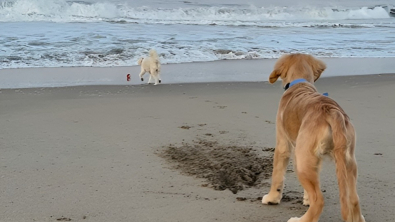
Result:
[[64, 11], [53, 33], [55, 11]]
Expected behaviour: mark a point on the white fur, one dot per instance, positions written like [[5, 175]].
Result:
[[151, 65]]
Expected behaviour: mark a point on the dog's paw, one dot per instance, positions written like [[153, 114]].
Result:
[[306, 201], [294, 219], [271, 200], [160, 81], [155, 84], [142, 79]]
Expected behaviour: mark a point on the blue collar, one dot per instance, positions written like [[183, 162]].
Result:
[[296, 81]]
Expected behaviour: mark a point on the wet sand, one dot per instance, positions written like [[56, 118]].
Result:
[[256, 70], [96, 153]]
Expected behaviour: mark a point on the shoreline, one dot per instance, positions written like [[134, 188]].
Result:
[[256, 70]]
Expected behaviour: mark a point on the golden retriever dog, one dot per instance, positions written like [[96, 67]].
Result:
[[151, 65], [311, 125]]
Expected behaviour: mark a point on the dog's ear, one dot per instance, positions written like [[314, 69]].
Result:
[[274, 76], [280, 69], [318, 67]]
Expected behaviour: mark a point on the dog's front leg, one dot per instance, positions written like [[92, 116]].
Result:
[[149, 79], [280, 163]]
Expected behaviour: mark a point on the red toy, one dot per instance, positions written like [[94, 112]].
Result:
[[128, 77]]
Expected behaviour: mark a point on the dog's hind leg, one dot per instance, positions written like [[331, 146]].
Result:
[[149, 79], [353, 212], [142, 72], [154, 73], [156, 79], [346, 167], [280, 163], [306, 201], [307, 168]]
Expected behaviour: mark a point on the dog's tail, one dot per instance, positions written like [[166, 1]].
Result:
[[154, 56], [341, 152]]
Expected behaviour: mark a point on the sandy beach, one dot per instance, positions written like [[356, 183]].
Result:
[[96, 153], [81, 141]]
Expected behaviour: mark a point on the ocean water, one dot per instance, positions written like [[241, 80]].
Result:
[[102, 33]]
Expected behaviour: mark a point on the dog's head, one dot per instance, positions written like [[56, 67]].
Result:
[[297, 66], [140, 60]]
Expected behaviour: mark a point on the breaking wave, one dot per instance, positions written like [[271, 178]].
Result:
[[78, 11]]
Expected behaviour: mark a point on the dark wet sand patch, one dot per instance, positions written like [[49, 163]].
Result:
[[185, 127], [224, 166]]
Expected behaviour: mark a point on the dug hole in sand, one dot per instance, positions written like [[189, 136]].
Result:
[[224, 166]]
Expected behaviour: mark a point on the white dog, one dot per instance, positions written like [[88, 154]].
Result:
[[151, 65]]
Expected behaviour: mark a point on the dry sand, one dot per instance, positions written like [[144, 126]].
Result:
[[95, 153]]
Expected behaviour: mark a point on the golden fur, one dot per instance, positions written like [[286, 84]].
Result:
[[312, 125]]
